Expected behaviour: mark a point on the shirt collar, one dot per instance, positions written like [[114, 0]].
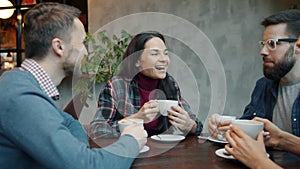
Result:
[[42, 77]]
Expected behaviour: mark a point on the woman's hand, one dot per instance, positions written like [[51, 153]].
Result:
[[148, 112], [181, 119]]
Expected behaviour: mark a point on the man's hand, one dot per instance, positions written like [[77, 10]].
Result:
[[138, 132]]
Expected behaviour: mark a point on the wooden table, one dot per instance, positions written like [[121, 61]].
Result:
[[194, 153]]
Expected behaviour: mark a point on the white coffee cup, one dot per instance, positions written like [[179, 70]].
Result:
[[224, 118], [165, 105], [250, 127], [128, 121]]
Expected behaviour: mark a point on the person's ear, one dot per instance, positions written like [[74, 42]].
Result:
[[138, 63], [297, 46], [58, 46]]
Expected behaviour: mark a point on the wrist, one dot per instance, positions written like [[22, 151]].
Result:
[[193, 126], [280, 141], [265, 163], [133, 116]]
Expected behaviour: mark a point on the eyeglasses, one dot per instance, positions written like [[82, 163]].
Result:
[[272, 43]]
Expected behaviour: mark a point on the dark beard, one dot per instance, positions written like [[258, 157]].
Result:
[[68, 69], [282, 68]]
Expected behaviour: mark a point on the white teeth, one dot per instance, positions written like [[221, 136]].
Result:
[[160, 67]]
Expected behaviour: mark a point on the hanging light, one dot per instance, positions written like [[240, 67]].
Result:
[[6, 13]]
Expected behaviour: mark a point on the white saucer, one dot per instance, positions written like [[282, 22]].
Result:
[[222, 153], [216, 140], [167, 137], [144, 149]]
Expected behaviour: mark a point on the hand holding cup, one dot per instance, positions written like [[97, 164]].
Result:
[[218, 124], [250, 127], [165, 105], [148, 112], [135, 128], [246, 142]]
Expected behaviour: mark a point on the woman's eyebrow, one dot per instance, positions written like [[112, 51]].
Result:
[[157, 49]]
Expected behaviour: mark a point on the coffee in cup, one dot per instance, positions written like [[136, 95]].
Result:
[[128, 121]]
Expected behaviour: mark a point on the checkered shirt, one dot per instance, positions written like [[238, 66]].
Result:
[[42, 77]]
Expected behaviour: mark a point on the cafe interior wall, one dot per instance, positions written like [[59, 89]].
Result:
[[233, 28]]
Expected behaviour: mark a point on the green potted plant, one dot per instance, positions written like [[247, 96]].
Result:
[[102, 62]]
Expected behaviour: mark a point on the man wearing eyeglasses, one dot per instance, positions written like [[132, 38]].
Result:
[[247, 150], [276, 96]]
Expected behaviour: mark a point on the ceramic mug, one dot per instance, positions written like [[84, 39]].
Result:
[[250, 127], [165, 105]]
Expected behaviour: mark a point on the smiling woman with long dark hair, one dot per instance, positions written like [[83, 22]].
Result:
[[141, 81]]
